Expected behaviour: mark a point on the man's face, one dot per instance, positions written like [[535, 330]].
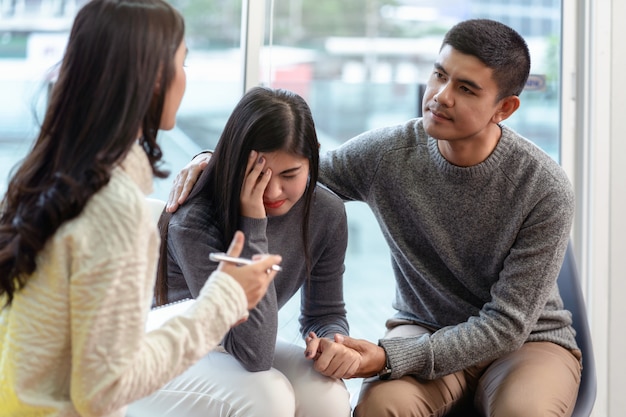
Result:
[[460, 99]]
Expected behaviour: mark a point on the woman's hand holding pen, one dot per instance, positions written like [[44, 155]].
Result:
[[254, 186], [253, 278]]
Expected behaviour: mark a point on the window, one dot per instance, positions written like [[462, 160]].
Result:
[[359, 64]]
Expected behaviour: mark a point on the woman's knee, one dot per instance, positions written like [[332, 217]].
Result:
[[269, 393], [322, 397]]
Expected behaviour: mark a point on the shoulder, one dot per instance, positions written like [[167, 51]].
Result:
[[528, 166], [326, 197], [120, 202], [195, 219], [377, 142], [392, 137], [327, 202], [116, 220], [328, 212], [196, 211]]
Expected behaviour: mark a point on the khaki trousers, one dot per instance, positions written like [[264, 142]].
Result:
[[540, 379]]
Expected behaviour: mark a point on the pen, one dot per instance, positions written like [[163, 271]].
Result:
[[217, 257]]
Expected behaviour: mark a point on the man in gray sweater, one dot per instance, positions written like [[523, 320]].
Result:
[[477, 219]]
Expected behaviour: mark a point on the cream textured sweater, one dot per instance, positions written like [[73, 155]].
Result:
[[73, 340]]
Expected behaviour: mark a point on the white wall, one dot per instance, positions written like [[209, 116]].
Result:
[[617, 208], [594, 155]]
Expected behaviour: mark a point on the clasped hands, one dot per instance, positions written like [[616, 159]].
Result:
[[344, 357]]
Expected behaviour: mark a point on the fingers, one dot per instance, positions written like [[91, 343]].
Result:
[[236, 245], [347, 341], [185, 180], [253, 278], [264, 274], [251, 198], [312, 346], [336, 360]]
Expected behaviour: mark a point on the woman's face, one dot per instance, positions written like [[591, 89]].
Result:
[[176, 89], [290, 175]]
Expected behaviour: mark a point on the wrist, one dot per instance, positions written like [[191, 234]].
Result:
[[385, 372]]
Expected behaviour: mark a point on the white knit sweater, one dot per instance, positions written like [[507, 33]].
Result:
[[73, 340]]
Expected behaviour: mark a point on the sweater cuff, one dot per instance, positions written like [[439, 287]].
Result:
[[408, 355]]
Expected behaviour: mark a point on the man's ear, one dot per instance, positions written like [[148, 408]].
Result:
[[506, 107]]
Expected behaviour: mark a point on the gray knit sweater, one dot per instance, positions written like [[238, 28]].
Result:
[[475, 251], [193, 234]]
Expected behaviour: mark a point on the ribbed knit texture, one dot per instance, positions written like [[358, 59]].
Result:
[[193, 234], [73, 340], [475, 250]]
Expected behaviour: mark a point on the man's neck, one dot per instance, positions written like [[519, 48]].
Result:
[[469, 152]]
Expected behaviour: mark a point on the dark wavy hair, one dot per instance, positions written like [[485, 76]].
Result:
[[264, 120], [111, 85], [497, 46]]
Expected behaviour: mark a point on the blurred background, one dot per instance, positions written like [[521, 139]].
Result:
[[358, 63]]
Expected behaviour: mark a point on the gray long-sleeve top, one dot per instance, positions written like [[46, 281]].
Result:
[[475, 251], [193, 234]]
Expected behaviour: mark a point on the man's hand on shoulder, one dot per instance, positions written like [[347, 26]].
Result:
[[185, 180]]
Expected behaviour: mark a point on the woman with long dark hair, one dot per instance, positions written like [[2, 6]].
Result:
[[78, 247], [262, 179]]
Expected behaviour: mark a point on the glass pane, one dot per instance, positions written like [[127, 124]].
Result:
[[214, 82], [360, 63], [33, 35]]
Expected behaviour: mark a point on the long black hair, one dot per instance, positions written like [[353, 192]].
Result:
[[264, 120], [111, 85]]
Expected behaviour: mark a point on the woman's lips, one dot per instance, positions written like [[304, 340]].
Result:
[[274, 204]]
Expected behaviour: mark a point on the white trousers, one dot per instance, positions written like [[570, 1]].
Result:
[[218, 386]]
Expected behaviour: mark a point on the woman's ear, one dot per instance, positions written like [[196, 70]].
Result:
[[506, 108]]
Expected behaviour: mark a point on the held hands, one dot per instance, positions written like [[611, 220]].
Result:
[[344, 357], [253, 278]]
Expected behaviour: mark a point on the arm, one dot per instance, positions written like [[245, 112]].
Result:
[[192, 236], [338, 168], [502, 325], [322, 307], [190, 240], [350, 169], [518, 299], [523, 277], [114, 362]]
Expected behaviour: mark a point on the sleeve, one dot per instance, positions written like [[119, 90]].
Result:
[[190, 240], [518, 297], [114, 361], [322, 305], [254, 341], [349, 170]]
